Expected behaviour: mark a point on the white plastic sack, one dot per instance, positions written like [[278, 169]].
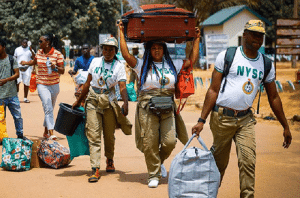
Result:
[[194, 173], [81, 77]]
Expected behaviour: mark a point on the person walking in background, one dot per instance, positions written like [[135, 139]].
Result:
[[8, 87], [50, 64], [156, 133], [230, 106], [103, 113], [24, 53], [82, 64]]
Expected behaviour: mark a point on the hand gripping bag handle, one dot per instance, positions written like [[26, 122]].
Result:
[[200, 141]]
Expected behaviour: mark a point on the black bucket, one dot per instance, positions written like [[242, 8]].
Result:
[[68, 119]]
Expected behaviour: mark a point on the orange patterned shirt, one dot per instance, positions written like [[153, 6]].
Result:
[[42, 76]]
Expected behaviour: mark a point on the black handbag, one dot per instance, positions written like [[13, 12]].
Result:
[[161, 105]]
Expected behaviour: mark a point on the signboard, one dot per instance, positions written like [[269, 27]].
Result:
[[288, 37], [288, 51], [215, 43]]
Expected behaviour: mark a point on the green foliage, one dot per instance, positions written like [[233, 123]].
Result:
[[273, 10], [81, 20], [204, 8]]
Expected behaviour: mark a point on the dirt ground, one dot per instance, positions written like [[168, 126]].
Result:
[[277, 169]]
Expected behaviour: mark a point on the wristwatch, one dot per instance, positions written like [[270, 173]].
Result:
[[201, 120]]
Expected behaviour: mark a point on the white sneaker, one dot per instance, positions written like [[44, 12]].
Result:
[[153, 183], [163, 171]]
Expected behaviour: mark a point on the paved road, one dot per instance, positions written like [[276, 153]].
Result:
[[278, 170]]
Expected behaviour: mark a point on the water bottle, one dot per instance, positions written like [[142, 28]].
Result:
[[48, 64]]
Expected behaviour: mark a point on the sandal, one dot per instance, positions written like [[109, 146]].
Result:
[[46, 135], [52, 137]]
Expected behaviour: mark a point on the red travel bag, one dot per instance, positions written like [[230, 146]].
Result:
[[159, 22]]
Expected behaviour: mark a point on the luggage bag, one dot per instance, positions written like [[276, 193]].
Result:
[[194, 173], [16, 154], [159, 22], [54, 154]]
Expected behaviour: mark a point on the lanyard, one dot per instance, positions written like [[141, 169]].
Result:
[[103, 69], [102, 79], [162, 80]]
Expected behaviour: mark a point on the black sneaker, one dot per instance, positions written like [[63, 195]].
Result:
[[22, 137]]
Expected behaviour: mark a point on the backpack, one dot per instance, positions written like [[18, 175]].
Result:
[[229, 56], [11, 60]]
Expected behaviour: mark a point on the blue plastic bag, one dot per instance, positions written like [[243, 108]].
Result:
[[131, 92]]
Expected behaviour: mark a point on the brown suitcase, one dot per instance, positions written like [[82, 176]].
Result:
[[159, 22]]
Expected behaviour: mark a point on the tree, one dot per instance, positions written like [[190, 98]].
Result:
[[273, 10], [204, 8], [81, 20]]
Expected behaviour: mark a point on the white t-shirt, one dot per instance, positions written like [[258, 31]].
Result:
[[22, 54], [106, 76], [152, 80], [243, 80]]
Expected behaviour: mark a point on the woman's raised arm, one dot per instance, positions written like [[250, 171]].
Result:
[[130, 59], [195, 51]]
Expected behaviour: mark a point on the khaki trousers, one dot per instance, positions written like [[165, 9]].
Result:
[[98, 122], [241, 130], [159, 139]]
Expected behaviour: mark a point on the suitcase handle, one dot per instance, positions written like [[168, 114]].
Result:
[[200, 141], [164, 8]]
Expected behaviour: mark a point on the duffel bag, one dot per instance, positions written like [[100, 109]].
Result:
[[54, 154], [194, 173], [16, 154]]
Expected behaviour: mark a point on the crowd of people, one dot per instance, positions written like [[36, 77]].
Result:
[[156, 75]]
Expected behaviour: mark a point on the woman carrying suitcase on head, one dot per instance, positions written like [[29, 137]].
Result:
[[156, 130], [103, 113]]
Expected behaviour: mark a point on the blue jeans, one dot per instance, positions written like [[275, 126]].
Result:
[[13, 105]]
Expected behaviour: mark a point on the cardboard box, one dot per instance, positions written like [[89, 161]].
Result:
[[36, 162]]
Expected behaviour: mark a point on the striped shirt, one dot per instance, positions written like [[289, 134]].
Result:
[[42, 71]]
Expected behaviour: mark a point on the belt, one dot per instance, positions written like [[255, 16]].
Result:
[[231, 112], [100, 91]]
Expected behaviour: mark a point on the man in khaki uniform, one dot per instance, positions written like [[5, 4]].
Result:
[[231, 115]]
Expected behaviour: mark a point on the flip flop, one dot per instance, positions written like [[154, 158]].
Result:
[[46, 135]]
